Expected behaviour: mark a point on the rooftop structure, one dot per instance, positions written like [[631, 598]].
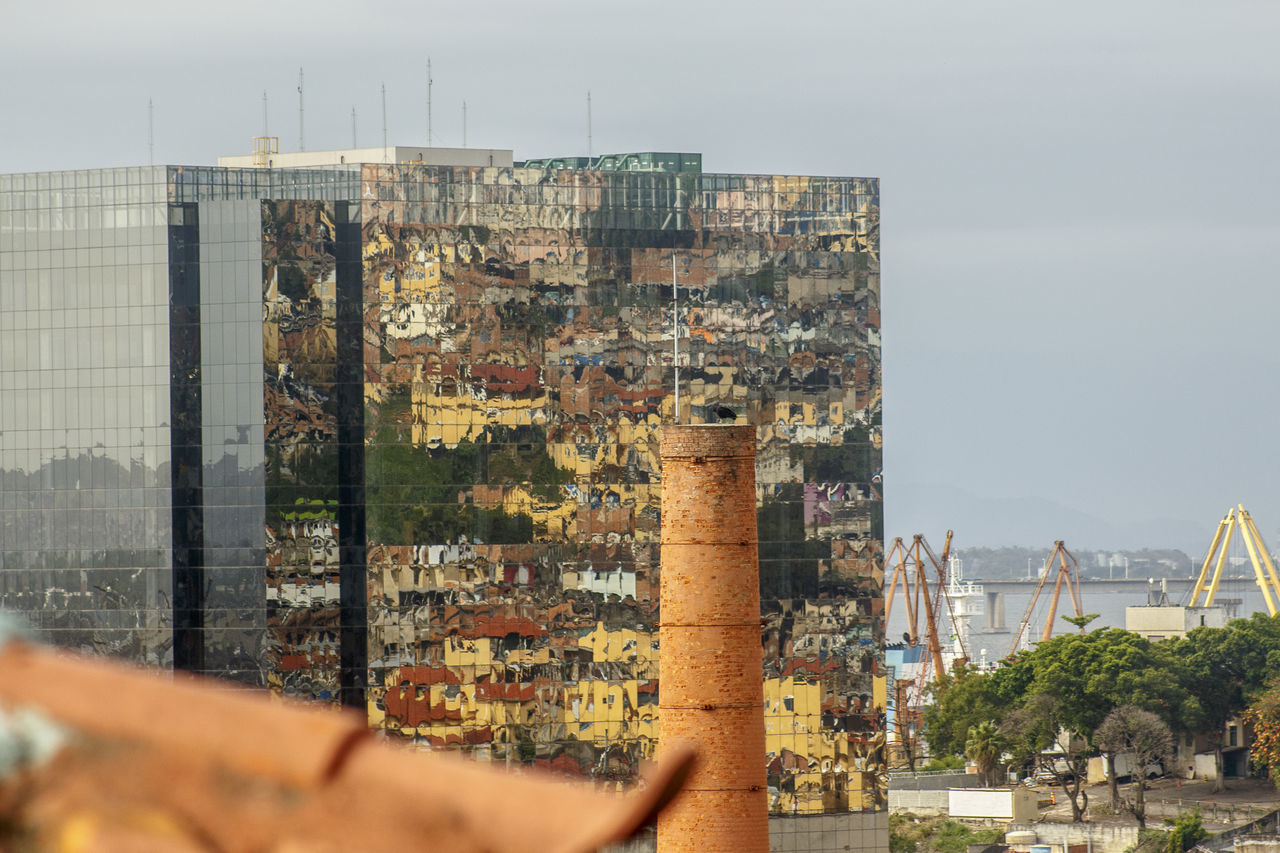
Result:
[[646, 161], [270, 158], [1160, 622]]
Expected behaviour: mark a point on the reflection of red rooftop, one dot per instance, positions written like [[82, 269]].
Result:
[[406, 707], [810, 666], [427, 675], [517, 692], [505, 378]]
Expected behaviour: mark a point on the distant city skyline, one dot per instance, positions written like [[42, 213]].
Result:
[[1079, 281]]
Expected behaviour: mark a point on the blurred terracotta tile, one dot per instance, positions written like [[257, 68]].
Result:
[[174, 764]]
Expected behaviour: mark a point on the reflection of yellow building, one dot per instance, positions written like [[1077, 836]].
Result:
[[638, 648], [819, 763], [446, 418], [792, 706], [621, 442], [606, 712], [793, 734], [551, 521], [599, 711], [620, 435], [417, 275]]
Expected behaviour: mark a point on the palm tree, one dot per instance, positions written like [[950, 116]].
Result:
[[983, 746]]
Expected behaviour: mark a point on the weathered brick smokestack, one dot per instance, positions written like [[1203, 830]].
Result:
[[710, 686]]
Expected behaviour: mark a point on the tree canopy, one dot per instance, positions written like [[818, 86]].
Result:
[[1070, 684]]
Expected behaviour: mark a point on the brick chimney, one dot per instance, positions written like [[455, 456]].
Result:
[[711, 690]]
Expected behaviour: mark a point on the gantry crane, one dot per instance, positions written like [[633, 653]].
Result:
[[1239, 517], [1070, 576], [911, 571], [915, 591]]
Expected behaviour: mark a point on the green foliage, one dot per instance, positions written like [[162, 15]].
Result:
[[902, 835], [291, 281], [943, 762], [304, 474], [908, 834], [1187, 831], [851, 461], [1149, 841], [961, 700], [519, 455], [1080, 621], [983, 746], [1223, 669], [788, 561], [412, 495], [1072, 682], [1031, 728], [1092, 673]]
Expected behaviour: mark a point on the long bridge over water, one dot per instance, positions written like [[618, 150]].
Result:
[[1130, 587]]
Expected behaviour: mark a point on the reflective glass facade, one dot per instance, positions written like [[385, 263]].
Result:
[[85, 444], [387, 436]]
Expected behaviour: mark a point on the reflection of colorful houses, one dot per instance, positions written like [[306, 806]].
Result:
[[468, 702], [465, 369]]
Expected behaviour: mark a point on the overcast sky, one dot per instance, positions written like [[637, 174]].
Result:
[[1081, 201]]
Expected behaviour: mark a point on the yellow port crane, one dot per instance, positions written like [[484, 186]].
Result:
[[1238, 517], [1068, 576]]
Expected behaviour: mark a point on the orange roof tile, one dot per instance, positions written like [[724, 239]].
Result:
[[175, 764]]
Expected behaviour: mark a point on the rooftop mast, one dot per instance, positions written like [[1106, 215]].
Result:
[[302, 138], [675, 334]]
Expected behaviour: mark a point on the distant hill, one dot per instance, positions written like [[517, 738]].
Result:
[[1032, 522], [1015, 562]]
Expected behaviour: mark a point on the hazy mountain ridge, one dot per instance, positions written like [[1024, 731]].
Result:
[[1033, 523], [1016, 562]]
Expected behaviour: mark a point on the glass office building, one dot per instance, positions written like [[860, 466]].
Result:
[[386, 435]]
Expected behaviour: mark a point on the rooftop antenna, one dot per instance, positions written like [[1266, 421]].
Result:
[[265, 132], [675, 326], [353, 127], [464, 124], [588, 127], [429, 82], [384, 121], [302, 138], [151, 133]]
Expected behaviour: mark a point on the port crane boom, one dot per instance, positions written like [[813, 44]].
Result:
[[911, 573], [1068, 576], [1264, 571]]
